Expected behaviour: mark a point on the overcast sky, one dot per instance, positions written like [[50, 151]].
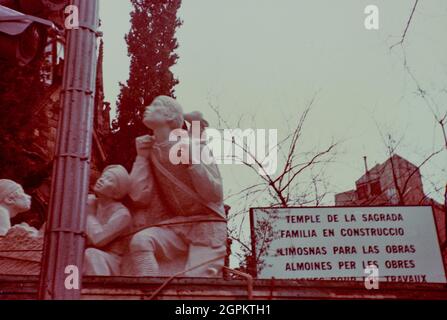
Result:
[[267, 58]]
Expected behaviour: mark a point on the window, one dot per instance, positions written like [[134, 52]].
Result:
[[376, 189]]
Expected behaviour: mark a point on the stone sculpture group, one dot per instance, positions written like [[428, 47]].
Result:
[[160, 219]]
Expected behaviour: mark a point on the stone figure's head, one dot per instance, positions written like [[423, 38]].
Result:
[[114, 183], [164, 115], [14, 197]]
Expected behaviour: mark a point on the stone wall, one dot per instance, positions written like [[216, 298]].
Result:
[[97, 288]]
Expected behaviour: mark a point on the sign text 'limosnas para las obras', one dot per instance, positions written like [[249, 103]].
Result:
[[340, 243]]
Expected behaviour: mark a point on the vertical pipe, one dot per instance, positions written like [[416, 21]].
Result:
[[365, 160], [64, 238]]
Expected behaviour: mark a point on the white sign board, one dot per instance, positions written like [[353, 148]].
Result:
[[340, 243]]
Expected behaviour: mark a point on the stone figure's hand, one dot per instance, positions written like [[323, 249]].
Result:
[[144, 145], [91, 204]]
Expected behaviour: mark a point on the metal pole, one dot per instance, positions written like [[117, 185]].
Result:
[[64, 238]]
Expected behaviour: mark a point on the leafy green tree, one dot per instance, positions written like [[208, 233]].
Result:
[[151, 46]]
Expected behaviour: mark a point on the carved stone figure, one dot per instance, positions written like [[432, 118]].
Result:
[[107, 220], [13, 200], [179, 221]]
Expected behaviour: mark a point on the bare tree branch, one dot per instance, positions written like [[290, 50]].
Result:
[[285, 188], [407, 26], [309, 164]]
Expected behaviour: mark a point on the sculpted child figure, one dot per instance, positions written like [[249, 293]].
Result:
[[192, 196], [13, 200], [107, 220]]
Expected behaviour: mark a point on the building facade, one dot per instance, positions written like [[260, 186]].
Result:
[[397, 181]]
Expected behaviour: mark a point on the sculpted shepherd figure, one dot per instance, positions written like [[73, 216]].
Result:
[[107, 220], [179, 207]]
